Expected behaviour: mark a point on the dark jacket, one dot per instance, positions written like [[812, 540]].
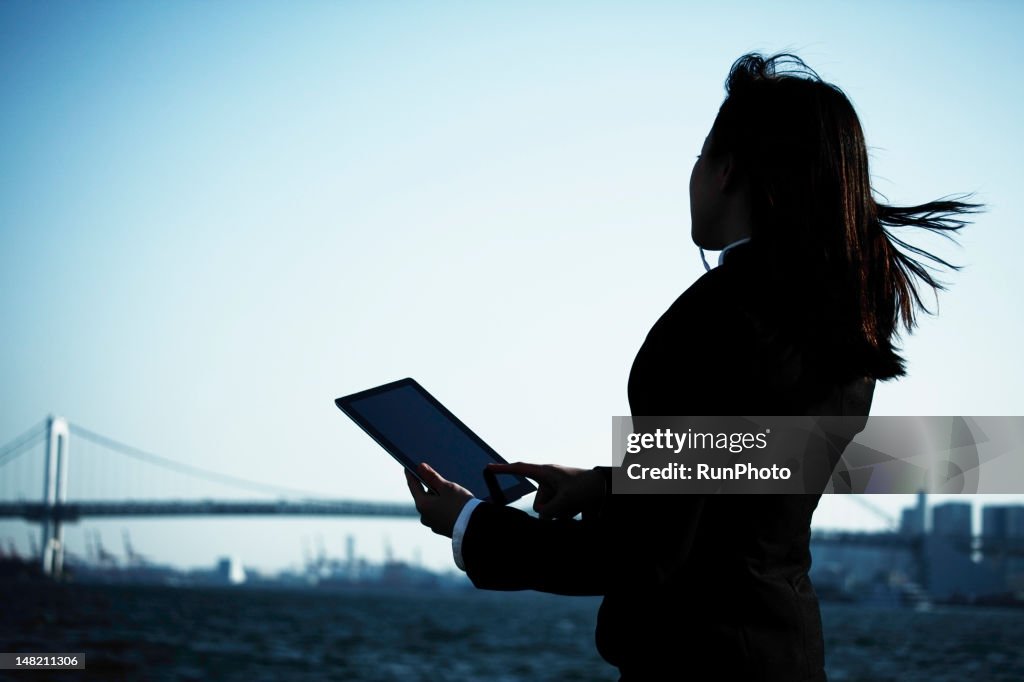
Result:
[[696, 587]]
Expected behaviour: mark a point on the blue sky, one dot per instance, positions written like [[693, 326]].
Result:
[[216, 218]]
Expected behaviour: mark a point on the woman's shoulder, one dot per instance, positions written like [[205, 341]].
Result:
[[707, 351], [733, 341], [724, 307]]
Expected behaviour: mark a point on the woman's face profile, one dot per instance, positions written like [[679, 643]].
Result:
[[703, 202], [719, 205]]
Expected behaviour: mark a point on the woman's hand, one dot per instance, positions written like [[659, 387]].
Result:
[[440, 506], [564, 491]]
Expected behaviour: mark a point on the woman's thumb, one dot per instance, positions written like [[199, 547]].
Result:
[[548, 505], [431, 477]]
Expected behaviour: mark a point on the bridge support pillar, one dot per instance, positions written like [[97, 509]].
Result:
[[55, 490]]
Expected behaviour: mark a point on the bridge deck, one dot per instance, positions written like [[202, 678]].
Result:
[[73, 511]]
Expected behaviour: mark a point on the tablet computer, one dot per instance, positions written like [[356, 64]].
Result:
[[415, 427]]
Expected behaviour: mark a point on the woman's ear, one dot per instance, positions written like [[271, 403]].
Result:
[[727, 173]]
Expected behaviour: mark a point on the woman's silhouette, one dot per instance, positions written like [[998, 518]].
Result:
[[799, 318]]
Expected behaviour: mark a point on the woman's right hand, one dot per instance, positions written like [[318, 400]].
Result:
[[563, 492]]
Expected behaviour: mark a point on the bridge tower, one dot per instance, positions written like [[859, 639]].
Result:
[[55, 491]]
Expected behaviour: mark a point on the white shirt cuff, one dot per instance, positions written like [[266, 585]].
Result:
[[460, 529]]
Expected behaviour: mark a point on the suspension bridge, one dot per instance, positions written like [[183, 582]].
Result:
[[58, 507], [109, 471]]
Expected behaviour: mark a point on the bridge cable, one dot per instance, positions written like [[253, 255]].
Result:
[[187, 469], [876, 510], [22, 443]]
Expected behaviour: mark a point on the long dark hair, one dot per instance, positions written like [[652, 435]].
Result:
[[799, 143]]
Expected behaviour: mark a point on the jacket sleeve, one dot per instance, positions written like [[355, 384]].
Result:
[[635, 540], [507, 549]]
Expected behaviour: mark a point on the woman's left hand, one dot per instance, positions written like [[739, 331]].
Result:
[[439, 507]]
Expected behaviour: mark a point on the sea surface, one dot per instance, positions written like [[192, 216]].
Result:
[[161, 633]]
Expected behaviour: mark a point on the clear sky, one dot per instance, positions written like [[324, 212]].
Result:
[[215, 218]]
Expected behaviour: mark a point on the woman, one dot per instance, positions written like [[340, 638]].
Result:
[[798, 319]]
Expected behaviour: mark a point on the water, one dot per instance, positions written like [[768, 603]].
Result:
[[156, 633]]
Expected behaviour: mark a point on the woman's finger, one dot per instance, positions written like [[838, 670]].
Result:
[[545, 494], [432, 478], [415, 487], [550, 508], [537, 472]]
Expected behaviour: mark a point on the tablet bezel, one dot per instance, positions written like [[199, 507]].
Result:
[[520, 487]]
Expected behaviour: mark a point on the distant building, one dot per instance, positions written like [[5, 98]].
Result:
[[1002, 542], [1001, 521], [230, 571], [912, 520], [909, 524], [952, 520], [951, 571]]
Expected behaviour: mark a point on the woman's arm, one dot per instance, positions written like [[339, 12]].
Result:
[[629, 541], [621, 541], [507, 549]]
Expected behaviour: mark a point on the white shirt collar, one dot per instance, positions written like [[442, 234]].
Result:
[[721, 254]]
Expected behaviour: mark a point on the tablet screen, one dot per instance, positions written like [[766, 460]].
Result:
[[414, 427]]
